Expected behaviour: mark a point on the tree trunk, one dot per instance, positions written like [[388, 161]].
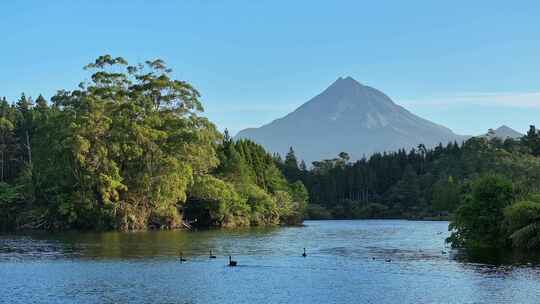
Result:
[[29, 149]]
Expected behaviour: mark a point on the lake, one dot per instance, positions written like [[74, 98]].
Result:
[[347, 262]]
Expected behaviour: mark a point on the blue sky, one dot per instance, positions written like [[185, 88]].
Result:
[[469, 65]]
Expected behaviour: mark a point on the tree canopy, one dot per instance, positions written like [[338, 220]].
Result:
[[128, 149]]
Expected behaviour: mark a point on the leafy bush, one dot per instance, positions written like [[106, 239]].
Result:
[[523, 224], [478, 222]]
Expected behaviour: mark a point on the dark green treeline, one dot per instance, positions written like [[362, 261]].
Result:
[[459, 181]]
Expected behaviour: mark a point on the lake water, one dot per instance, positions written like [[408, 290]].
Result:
[[346, 263]]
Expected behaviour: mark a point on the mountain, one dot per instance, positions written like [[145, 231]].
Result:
[[349, 117], [503, 132]]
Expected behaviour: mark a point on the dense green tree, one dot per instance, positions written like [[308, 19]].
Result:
[[406, 192], [290, 159], [446, 195], [6, 143], [522, 221], [215, 203], [478, 222], [10, 199], [291, 170], [261, 187], [131, 144], [532, 141], [303, 167]]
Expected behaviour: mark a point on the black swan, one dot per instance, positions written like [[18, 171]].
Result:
[[231, 262], [182, 258]]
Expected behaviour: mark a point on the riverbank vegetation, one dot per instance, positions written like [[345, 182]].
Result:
[[487, 186], [129, 150], [495, 215]]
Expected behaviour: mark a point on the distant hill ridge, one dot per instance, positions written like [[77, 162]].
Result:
[[503, 132], [350, 117]]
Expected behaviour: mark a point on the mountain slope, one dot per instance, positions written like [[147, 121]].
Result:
[[349, 117]]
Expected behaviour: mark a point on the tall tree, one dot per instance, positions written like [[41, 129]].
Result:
[[291, 169], [532, 141]]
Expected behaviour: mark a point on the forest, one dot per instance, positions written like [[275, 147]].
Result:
[[127, 150], [488, 187]]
